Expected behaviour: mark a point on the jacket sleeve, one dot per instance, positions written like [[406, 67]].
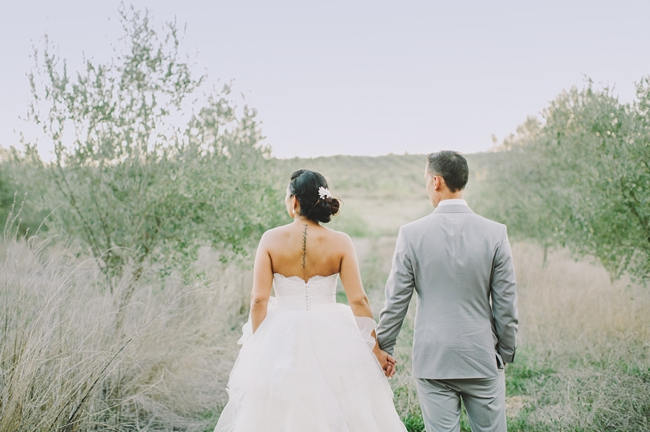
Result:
[[399, 289], [503, 290]]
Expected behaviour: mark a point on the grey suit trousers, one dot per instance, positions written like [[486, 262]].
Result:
[[484, 399]]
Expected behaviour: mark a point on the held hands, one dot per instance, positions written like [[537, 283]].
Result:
[[387, 362], [367, 327]]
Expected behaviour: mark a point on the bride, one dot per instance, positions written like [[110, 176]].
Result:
[[306, 362]]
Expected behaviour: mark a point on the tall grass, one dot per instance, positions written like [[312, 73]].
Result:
[[63, 365], [586, 342]]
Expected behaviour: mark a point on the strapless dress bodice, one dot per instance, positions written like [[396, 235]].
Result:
[[293, 292]]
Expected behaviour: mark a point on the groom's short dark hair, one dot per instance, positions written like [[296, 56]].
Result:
[[451, 166]]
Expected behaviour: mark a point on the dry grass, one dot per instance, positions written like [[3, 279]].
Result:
[[64, 367], [582, 362], [573, 306], [589, 337]]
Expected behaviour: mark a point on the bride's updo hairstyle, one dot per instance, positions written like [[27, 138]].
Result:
[[304, 185]]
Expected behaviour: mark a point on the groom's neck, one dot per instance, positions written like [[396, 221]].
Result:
[[449, 195]]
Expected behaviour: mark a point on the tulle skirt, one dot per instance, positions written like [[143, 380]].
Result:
[[307, 371]]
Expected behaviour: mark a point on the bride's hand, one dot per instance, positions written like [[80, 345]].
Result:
[[386, 361], [391, 366]]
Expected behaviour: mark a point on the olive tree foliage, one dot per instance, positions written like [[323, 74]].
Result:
[[516, 190], [8, 190], [131, 181], [7, 195], [580, 178], [19, 214]]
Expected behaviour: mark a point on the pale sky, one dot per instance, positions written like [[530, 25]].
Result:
[[361, 77]]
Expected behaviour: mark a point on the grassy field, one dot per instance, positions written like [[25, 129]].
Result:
[[582, 362]]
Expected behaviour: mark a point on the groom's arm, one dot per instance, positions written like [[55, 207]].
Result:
[[504, 299], [399, 289]]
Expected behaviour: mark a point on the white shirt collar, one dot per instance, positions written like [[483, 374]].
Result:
[[452, 202]]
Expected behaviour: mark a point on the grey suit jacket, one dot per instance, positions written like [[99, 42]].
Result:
[[460, 265]]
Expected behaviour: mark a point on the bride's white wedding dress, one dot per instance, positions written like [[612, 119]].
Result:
[[307, 368]]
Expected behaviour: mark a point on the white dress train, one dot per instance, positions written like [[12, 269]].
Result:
[[307, 368]]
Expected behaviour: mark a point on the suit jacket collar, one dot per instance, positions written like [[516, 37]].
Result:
[[452, 208]]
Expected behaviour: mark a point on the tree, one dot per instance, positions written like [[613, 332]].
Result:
[[523, 188], [584, 179], [135, 185]]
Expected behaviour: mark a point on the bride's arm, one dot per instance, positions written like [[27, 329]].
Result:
[[351, 279], [262, 283], [357, 298]]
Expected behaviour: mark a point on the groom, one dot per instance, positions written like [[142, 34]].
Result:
[[460, 265]]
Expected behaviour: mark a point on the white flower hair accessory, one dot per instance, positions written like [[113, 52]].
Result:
[[324, 192]]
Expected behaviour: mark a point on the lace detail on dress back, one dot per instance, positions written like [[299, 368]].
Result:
[[295, 293]]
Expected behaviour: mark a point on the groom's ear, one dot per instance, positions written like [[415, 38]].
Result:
[[440, 182], [435, 181]]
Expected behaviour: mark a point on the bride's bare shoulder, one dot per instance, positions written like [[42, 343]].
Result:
[[275, 233], [340, 237]]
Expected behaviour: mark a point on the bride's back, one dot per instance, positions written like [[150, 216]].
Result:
[[305, 250]]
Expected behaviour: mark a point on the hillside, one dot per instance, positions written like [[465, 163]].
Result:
[[381, 193]]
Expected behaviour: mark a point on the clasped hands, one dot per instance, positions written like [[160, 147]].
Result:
[[387, 362]]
